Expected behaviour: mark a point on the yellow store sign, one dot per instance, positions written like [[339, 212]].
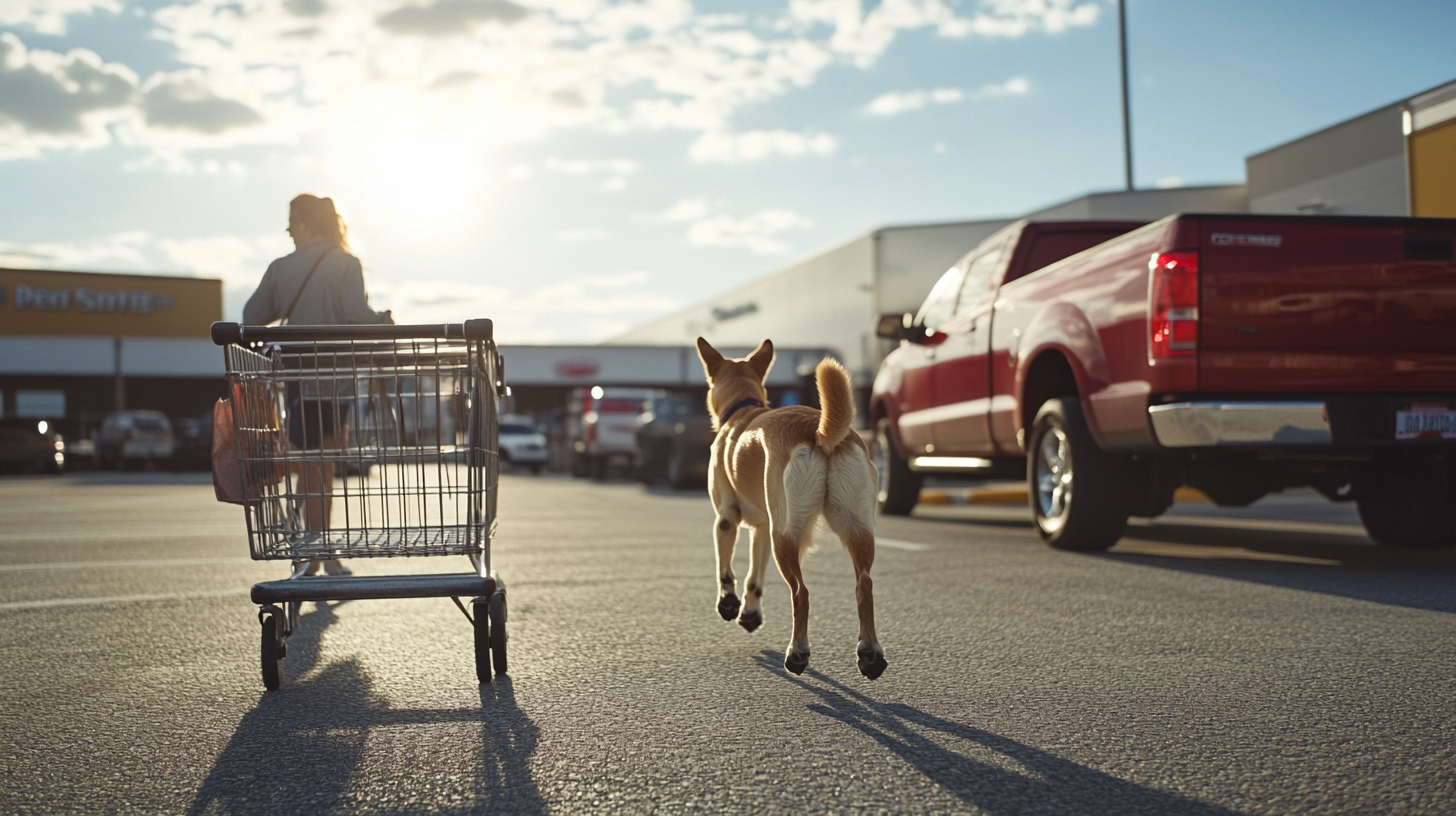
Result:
[[34, 302]]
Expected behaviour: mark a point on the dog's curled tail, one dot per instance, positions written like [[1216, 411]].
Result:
[[836, 400]]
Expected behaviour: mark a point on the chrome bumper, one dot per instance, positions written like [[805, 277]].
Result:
[[1235, 424]]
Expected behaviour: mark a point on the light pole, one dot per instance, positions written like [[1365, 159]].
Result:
[[1126, 115]]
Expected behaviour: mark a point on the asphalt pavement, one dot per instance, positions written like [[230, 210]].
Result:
[[1260, 660]]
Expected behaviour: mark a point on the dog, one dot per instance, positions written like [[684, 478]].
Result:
[[777, 472]]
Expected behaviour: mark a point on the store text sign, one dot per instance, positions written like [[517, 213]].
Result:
[[34, 302]]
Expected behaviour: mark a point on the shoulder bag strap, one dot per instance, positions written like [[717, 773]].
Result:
[[288, 315]]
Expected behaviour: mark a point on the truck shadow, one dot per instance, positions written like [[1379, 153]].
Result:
[[1345, 566], [984, 770], [1327, 564], [300, 749]]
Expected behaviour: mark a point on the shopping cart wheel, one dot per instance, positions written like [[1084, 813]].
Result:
[[272, 653], [498, 631], [480, 609]]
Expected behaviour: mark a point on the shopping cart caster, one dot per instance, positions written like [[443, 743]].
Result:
[[498, 631], [272, 647], [480, 616]]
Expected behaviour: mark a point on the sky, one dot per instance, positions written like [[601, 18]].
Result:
[[574, 168]]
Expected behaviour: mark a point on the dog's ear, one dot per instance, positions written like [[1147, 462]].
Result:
[[712, 360], [762, 359]]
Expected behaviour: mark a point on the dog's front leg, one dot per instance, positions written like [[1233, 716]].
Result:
[[726, 532], [758, 549]]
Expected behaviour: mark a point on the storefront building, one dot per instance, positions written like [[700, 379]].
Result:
[[76, 345]]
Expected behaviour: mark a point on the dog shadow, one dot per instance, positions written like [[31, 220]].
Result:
[[985, 770], [300, 749]]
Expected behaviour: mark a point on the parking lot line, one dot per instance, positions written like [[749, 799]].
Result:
[[51, 603], [141, 562]]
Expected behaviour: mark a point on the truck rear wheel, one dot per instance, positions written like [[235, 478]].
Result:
[[1408, 503], [899, 488], [1078, 493]]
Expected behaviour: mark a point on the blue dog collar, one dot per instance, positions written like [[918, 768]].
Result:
[[739, 406]]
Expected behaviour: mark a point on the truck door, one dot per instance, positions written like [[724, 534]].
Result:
[[918, 357], [962, 372]]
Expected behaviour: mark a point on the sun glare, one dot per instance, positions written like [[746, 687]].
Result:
[[406, 161]]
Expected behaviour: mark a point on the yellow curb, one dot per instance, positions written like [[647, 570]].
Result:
[[1017, 495]]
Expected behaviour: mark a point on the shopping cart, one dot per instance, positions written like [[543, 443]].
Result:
[[368, 442]]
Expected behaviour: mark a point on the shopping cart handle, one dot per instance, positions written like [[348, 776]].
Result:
[[232, 333]]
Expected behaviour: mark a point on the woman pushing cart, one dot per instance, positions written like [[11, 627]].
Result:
[[415, 411]]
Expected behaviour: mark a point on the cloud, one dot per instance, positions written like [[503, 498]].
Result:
[[584, 309], [305, 8], [518, 71], [757, 231], [898, 102], [449, 18], [739, 148], [49, 16], [576, 236], [895, 103], [187, 105], [57, 97]]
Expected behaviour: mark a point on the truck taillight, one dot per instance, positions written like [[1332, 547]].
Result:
[[1173, 305]]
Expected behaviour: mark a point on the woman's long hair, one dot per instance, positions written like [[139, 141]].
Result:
[[320, 217]]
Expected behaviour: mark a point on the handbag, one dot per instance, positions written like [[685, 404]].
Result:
[[242, 480]]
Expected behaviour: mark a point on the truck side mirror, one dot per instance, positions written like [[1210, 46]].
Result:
[[893, 326]]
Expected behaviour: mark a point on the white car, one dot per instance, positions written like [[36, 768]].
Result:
[[144, 436], [522, 445]]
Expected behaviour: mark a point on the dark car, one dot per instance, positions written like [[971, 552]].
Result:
[[31, 444], [193, 450], [674, 441]]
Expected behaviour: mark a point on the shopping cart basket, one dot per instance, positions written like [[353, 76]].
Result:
[[368, 442]]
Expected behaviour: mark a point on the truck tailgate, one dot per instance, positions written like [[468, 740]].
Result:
[[1298, 304]]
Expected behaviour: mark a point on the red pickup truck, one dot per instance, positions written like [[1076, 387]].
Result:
[[1238, 354]]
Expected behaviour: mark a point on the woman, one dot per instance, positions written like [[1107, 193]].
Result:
[[319, 284]]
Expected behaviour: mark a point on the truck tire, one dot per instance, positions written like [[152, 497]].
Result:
[[1408, 503], [1078, 492], [899, 488]]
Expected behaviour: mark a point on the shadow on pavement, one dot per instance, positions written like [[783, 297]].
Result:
[[299, 750], [986, 771], [1327, 564]]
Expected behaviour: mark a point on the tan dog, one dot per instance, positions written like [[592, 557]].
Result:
[[777, 472]]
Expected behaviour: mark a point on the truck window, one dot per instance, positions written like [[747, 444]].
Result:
[[977, 286], [1049, 247], [940, 305]]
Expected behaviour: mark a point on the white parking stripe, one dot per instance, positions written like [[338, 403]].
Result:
[[121, 599], [1262, 525], [145, 562]]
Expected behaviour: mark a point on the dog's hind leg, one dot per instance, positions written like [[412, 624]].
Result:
[[758, 549], [725, 530], [850, 513], [789, 553], [795, 503]]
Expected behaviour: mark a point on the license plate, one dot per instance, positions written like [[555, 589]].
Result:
[[1425, 421]]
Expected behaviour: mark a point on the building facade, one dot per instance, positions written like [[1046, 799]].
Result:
[[76, 345]]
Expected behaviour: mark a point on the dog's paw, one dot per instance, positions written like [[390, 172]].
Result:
[[728, 607], [750, 620], [871, 663], [796, 662]]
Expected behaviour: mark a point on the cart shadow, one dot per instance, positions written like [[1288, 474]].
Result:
[[984, 770], [300, 749]]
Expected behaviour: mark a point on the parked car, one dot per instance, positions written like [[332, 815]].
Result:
[[1238, 354], [193, 448], [674, 441], [134, 436], [602, 427], [31, 444], [522, 444]]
